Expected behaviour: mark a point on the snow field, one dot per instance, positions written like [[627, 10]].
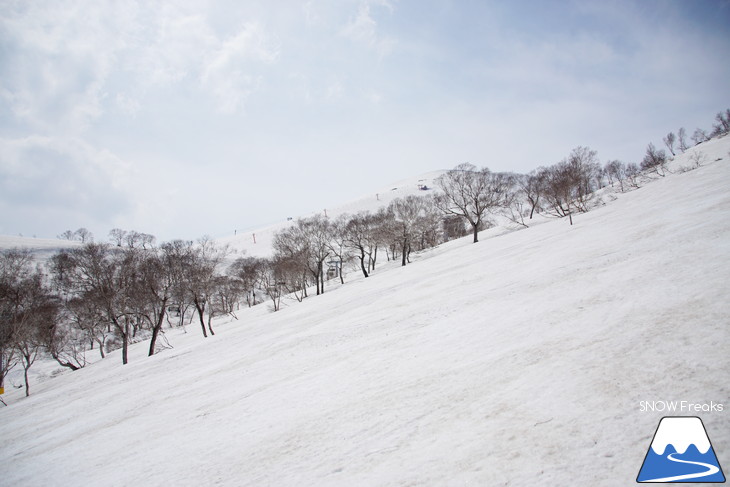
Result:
[[520, 360]]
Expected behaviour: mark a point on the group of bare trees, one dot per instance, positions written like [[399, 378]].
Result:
[[720, 127], [315, 249], [82, 235], [561, 190], [119, 291], [28, 311], [105, 296]]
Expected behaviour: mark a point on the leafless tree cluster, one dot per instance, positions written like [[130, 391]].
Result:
[[104, 296], [316, 249], [116, 294], [655, 160], [625, 175], [82, 235], [719, 128], [560, 190], [131, 238], [722, 124], [28, 313]]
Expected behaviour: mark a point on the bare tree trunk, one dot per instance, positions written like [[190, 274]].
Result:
[[362, 262], [475, 226], [125, 343], [62, 363], [210, 326], [156, 329], [26, 366], [201, 312]]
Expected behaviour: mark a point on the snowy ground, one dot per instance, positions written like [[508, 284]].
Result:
[[521, 360]]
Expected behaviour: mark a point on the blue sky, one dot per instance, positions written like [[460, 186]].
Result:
[[188, 118]]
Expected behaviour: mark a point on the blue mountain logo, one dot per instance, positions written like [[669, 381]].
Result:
[[680, 452]]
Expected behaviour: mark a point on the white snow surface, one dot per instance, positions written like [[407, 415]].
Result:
[[680, 432], [520, 360]]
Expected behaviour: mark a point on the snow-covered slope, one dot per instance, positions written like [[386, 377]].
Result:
[[521, 360], [258, 242], [42, 248]]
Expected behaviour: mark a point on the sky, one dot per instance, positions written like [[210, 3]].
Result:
[[190, 118]]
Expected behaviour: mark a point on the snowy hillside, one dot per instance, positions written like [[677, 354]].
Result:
[[520, 360], [42, 248], [258, 242]]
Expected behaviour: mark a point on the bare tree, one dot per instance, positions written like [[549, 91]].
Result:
[[516, 199], [272, 280], [682, 139], [533, 187], [360, 236], [722, 126], [15, 264], [292, 253], [338, 244], [178, 257], [654, 160], [616, 172], [407, 211], [83, 235], [697, 158], [36, 312], [117, 236], [64, 338], [669, 140], [470, 194], [318, 232], [428, 230], [700, 136], [133, 239], [308, 243], [570, 183], [248, 272], [632, 173], [27, 309], [202, 278], [147, 240], [158, 281], [67, 235]]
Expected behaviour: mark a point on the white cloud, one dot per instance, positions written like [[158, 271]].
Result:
[[171, 46], [232, 72], [53, 79], [363, 28], [48, 181], [128, 105]]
